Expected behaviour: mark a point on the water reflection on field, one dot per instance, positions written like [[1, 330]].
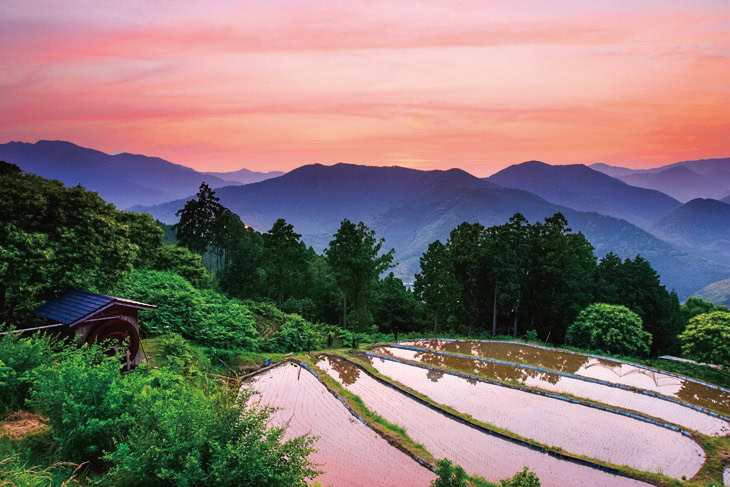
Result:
[[603, 369], [634, 401], [575, 428], [479, 453], [348, 451]]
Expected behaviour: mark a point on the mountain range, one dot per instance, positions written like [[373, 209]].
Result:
[[123, 179], [246, 176], [580, 187], [684, 181], [412, 208], [686, 243]]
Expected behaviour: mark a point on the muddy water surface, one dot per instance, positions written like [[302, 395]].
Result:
[[647, 405], [575, 428], [603, 369], [479, 453], [348, 451]]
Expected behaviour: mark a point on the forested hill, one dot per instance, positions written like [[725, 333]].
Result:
[[579, 187], [123, 179], [412, 208]]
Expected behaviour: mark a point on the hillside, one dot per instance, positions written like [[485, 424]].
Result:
[[246, 176], [686, 180], [582, 188], [718, 293], [702, 225], [726, 199], [411, 208], [123, 179]]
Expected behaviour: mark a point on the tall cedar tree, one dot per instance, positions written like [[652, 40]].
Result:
[[286, 258], [198, 218], [355, 258]]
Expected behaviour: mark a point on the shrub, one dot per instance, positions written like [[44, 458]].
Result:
[[707, 338], [86, 400], [184, 436], [449, 475], [522, 479], [19, 357], [610, 328], [205, 316], [179, 355]]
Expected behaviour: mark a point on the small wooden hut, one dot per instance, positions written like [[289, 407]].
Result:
[[89, 317]]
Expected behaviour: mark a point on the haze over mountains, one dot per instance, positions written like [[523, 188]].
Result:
[[687, 180], [123, 179], [411, 208], [686, 243]]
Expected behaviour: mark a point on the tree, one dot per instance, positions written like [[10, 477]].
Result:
[[522, 479], [707, 338], [196, 228], [285, 257], [397, 309], [695, 306], [54, 238], [449, 475], [467, 250], [635, 284], [356, 259], [436, 284], [608, 327]]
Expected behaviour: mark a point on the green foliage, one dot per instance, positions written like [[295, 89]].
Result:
[[449, 475], [285, 258], [612, 328], [15, 471], [707, 338], [436, 285], [86, 400], [522, 479], [196, 228], [397, 309], [184, 436], [19, 358], [180, 260], [635, 284], [285, 332], [695, 306], [179, 355], [205, 316], [357, 262]]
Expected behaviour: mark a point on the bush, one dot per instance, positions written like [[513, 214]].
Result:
[[19, 357], [522, 479], [707, 338], [205, 316], [449, 475], [87, 402], [611, 328], [184, 436], [179, 355]]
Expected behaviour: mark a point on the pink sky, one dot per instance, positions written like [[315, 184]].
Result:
[[274, 84]]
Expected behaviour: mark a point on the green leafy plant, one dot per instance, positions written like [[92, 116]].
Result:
[[449, 475], [20, 357], [707, 338], [612, 328], [522, 479]]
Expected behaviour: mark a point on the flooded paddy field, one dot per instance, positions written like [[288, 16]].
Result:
[[348, 452], [575, 428], [480, 453], [605, 369], [547, 381]]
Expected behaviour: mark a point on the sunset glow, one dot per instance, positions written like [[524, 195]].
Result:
[[274, 84]]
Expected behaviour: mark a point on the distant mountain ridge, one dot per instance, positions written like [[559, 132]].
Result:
[[123, 179], [412, 208], [700, 225], [684, 181], [246, 176], [581, 188]]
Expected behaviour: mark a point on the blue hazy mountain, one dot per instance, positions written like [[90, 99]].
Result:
[[246, 176], [581, 188], [123, 179], [412, 208], [684, 181]]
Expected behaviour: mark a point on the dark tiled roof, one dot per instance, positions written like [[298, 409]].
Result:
[[78, 305]]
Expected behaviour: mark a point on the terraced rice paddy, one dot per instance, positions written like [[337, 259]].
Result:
[[612, 396], [478, 452], [605, 369], [349, 452], [575, 428]]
